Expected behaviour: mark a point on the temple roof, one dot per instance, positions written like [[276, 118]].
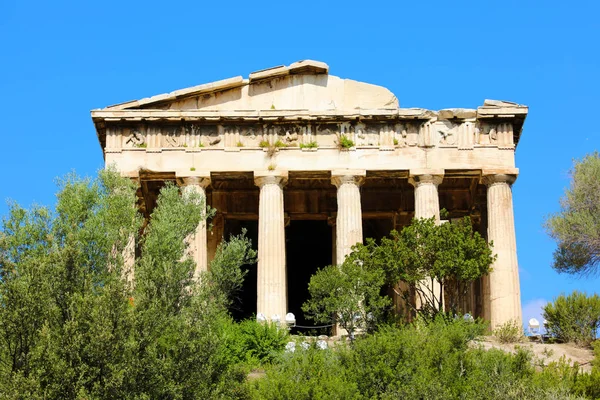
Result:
[[303, 85]]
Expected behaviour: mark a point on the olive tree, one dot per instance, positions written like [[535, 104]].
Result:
[[576, 227], [71, 326], [452, 254], [347, 294]]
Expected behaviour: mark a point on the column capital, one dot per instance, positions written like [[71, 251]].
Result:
[[262, 178], [417, 177], [189, 178], [493, 176], [342, 176]]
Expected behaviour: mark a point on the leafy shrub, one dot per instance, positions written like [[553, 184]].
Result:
[[261, 342], [309, 145], [574, 318], [427, 360], [509, 332], [303, 375], [411, 361], [345, 142]]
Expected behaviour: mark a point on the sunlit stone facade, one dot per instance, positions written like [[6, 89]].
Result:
[[267, 150]]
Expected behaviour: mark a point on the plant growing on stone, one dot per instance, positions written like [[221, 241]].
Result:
[[274, 147], [239, 144], [345, 142], [309, 145], [271, 167], [509, 332]]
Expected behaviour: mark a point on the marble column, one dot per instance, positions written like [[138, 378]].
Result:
[[348, 226], [427, 205], [271, 280], [128, 273], [197, 242], [128, 252], [502, 295]]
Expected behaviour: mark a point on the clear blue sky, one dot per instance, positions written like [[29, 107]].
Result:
[[61, 59]]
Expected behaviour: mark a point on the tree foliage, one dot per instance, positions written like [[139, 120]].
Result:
[[72, 327], [574, 318], [427, 360], [348, 294], [576, 227], [451, 254]]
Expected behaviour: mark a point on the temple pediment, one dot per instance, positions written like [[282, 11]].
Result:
[[304, 85]]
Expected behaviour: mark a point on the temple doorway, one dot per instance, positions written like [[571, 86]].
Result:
[[308, 248], [244, 306]]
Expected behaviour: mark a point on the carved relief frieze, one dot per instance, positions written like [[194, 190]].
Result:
[[495, 134], [370, 136], [447, 133], [171, 136], [250, 135], [134, 137], [290, 134], [385, 135], [327, 134]]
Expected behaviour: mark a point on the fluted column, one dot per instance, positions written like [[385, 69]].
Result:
[[427, 205], [195, 186], [427, 202], [502, 287], [348, 225], [271, 280]]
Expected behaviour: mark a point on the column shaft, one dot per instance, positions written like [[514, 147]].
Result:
[[349, 215], [427, 205], [197, 242], [503, 282], [271, 280]]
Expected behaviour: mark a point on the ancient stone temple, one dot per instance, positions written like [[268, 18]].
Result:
[[311, 164]]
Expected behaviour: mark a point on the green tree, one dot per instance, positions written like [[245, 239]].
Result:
[[451, 254], [574, 318], [576, 227], [72, 327], [348, 294]]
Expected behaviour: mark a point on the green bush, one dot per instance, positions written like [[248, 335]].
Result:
[[574, 318], [509, 332], [309, 145], [261, 342], [345, 142], [436, 360], [305, 375]]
